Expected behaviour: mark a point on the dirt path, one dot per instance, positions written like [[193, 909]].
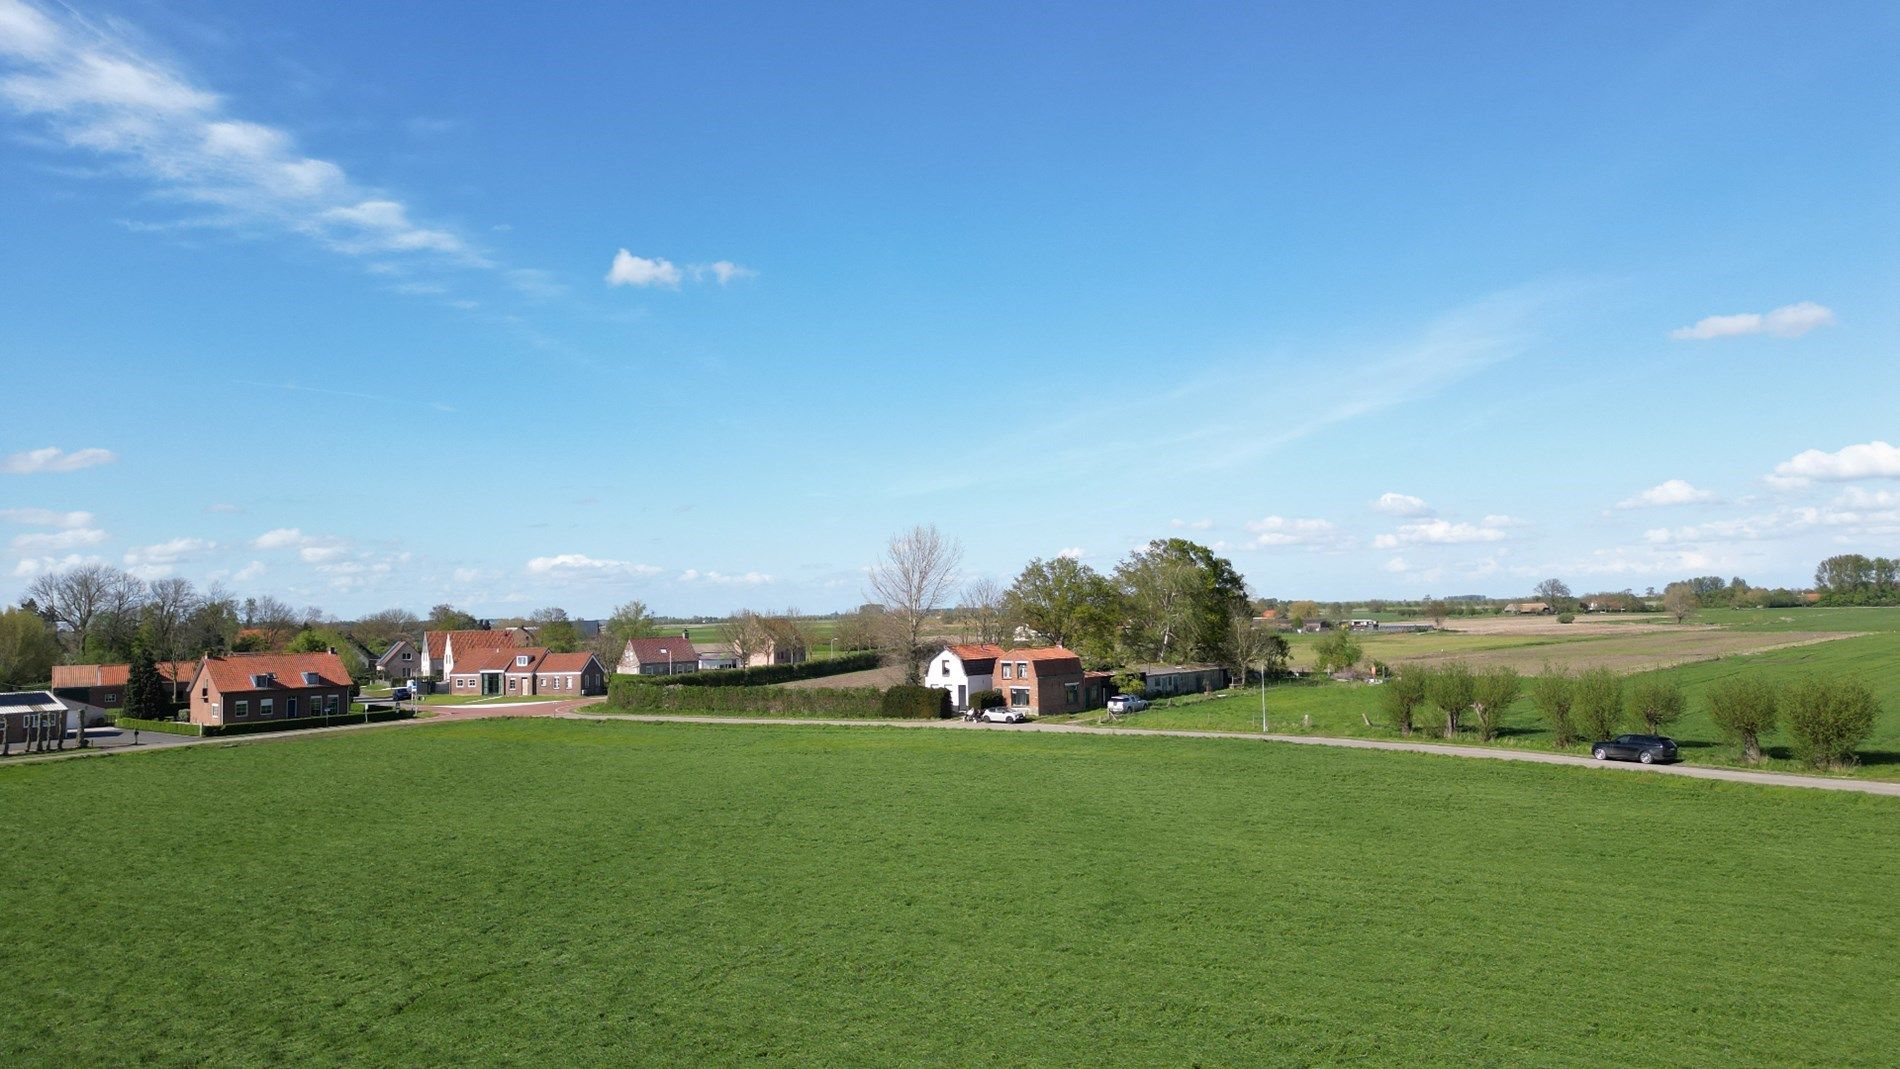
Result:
[[1732, 775]]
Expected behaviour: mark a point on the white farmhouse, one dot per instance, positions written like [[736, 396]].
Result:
[[963, 670]]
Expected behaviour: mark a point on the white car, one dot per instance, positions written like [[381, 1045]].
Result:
[[1002, 716], [1126, 703]]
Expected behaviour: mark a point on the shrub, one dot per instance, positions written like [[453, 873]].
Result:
[[1401, 696], [1554, 692], [769, 674], [1451, 689], [628, 694], [260, 727], [1492, 695], [1657, 701], [1567, 618], [1828, 719], [1598, 702], [987, 699], [909, 701], [1743, 707], [176, 727]]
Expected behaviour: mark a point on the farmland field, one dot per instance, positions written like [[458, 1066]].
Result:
[[539, 892], [1860, 643]]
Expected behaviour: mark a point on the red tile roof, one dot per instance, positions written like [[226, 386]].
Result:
[[652, 650], [565, 662], [437, 641], [117, 675], [233, 672], [1050, 659]]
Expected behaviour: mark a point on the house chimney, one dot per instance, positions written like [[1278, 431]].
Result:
[[684, 633], [332, 651]]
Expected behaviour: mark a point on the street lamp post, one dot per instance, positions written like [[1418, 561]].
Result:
[[1263, 699]]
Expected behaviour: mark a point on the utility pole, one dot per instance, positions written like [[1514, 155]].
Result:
[[1263, 699]]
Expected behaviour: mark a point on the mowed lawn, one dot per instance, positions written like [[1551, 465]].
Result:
[[545, 892]]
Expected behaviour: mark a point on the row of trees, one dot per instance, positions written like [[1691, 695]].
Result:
[[1826, 719], [1853, 579]]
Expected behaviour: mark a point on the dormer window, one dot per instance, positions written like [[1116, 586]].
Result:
[[521, 660], [263, 679], [311, 679]]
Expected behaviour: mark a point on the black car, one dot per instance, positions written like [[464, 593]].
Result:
[[1649, 749]]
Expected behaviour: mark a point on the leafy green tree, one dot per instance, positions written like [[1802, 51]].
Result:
[[1599, 702], [1071, 603], [1180, 597], [1829, 719], [1339, 651], [1494, 692], [1554, 692], [321, 639], [144, 689], [1400, 697], [28, 649], [446, 617], [555, 631], [1657, 701], [1451, 690], [1743, 707]]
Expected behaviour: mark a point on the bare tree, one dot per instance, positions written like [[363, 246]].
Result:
[[381, 629], [1679, 601], [80, 597], [1555, 592], [912, 581], [169, 604], [983, 609], [746, 633]]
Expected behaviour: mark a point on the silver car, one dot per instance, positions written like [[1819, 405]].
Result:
[[1126, 703], [1003, 716]]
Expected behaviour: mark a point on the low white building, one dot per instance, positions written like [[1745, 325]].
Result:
[[963, 670]]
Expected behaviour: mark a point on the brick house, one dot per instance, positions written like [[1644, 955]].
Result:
[[91, 689], [243, 688], [1043, 680], [400, 661], [658, 657], [440, 648], [527, 670]]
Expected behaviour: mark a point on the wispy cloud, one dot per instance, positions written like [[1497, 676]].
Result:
[[70, 538], [51, 459], [1788, 321], [33, 517], [95, 91], [580, 565], [1401, 505], [642, 272], [1445, 533], [694, 575]]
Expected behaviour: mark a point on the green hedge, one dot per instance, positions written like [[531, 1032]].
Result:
[[258, 727], [625, 694], [988, 699], [765, 675], [176, 727], [908, 701]]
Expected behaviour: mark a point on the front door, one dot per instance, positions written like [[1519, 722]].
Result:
[[491, 682], [963, 699]]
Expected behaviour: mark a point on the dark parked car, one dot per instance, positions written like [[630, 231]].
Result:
[[1648, 749]]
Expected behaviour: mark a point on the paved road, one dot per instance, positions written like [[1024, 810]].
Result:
[[1733, 775]]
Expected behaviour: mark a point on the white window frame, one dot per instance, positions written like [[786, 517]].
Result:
[[241, 709], [266, 707]]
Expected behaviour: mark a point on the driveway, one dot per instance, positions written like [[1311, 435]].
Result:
[[1732, 775]]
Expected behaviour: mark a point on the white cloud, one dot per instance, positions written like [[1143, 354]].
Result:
[[35, 461], [31, 517], [1292, 531], [166, 553], [71, 538], [1191, 525], [1666, 493], [281, 538], [722, 271], [249, 572], [1073, 553], [311, 548], [1788, 321], [1869, 460], [694, 575], [579, 564], [1853, 497], [92, 89], [1444, 533], [631, 270], [33, 566], [1396, 565], [1393, 504]]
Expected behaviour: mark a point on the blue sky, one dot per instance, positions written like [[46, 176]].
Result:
[[364, 305]]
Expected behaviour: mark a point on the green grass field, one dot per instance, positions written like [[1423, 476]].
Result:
[[538, 892], [1342, 708]]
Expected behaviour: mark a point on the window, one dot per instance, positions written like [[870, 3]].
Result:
[[1022, 669], [1073, 695], [290, 707], [333, 703], [240, 710], [1006, 674], [406, 655], [511, 682], [946, 667], [112, 698], [266, 706], [311, 679], [1019, 697], [521, 660]]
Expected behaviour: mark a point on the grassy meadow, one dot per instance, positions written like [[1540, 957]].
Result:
[[546, 892], [1861, 643]]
